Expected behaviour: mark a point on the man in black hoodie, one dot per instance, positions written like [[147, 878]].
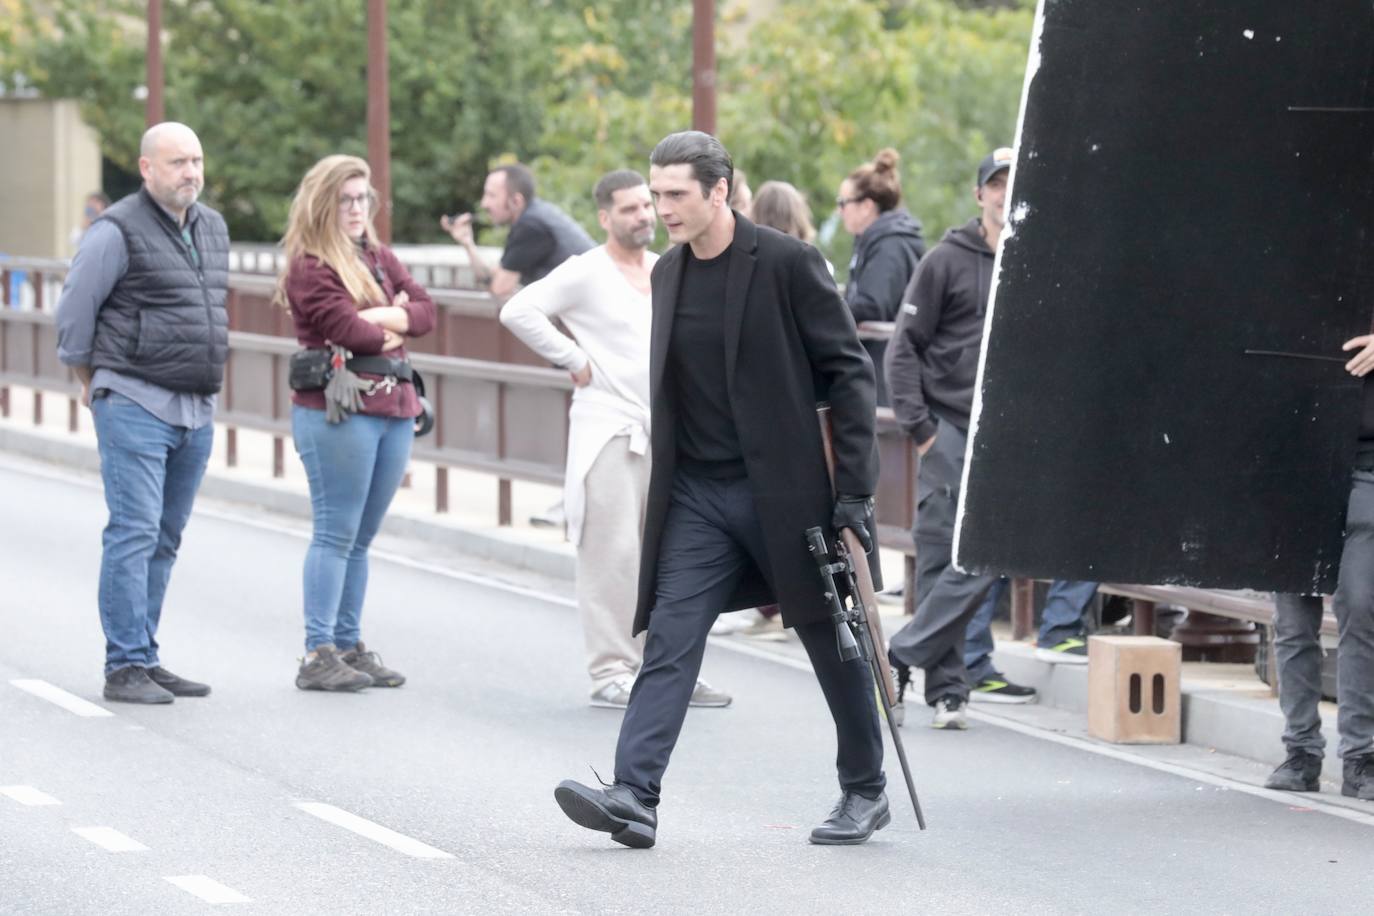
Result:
[[931, 368]]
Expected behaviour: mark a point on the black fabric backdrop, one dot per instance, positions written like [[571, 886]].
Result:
[[1193, 179]]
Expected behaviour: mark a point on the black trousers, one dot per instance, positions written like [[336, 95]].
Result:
[[711, 536]]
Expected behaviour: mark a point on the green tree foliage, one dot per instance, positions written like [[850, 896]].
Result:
[[575, 89]]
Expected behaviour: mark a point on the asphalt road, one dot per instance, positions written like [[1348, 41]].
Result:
[[437, 797]]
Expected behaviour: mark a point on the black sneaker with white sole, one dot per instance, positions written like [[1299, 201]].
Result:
[[995, 688]]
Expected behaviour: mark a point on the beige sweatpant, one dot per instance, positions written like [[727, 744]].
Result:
[[608, 561]]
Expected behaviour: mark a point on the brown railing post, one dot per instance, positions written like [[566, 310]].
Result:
[[278, 457], [440, 488], [73, 415], [1022, 608], [503, 502], [231, 447], [1142, 617]]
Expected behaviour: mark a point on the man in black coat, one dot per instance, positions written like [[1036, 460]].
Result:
[[749, 333]]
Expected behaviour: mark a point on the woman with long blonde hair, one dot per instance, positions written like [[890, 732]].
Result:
[[353, 404]]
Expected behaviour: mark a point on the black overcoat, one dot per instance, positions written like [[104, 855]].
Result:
[[790, 342]]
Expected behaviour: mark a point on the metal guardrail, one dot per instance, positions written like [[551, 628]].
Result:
[[507, 420]]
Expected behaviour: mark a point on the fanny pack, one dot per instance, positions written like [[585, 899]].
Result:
[[311, 370]]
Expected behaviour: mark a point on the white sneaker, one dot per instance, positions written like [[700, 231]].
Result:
[[704, 695], [615, 695], [735, 622], [950, 714]]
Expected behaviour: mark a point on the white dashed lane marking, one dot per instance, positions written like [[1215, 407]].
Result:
[[110, 839], [207, 889], [375, 832], [28, 795], [59, 697]]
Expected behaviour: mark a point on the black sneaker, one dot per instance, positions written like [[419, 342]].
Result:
[[1359, 777], [995, 688], [131, 684], [322, 669], [177, 686], [360, 658], [1301, 772]]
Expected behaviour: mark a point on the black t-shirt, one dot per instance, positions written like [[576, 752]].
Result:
[[707, 440], [541, 239], [1364, 452]]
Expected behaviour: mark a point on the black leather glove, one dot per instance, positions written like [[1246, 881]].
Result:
[[853, 512]]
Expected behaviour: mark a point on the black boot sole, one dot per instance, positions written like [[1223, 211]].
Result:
[[1313, 786], [853, 840], [585, 811]]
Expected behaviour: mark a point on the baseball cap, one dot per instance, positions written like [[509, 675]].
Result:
[[994, 162]]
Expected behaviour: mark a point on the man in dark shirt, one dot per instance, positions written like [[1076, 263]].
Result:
[[749, 333], [541, 235], [1297, 636]]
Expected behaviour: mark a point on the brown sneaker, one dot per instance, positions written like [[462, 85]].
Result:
[[323, 669], [360, 658]]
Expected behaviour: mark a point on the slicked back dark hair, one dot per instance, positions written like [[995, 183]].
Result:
[[611, 182], [704, 153], [519, 180]]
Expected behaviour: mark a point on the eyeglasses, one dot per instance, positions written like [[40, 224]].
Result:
[[842, 202], [361, 201]]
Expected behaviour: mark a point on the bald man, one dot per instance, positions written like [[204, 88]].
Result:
[[142, 323]]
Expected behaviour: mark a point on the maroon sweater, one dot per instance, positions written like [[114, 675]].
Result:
[[326, 314]]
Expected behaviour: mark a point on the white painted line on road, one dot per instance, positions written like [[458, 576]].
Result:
[[28, 795], [1284, 798], [207, 889], [372, 831], [110, 839], [56, 695]]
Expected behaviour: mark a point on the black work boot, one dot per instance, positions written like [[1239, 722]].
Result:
[[131, 684], [360, 658], [1359, 777], [1301, 772], [177, 686], [615, 810], [322, 669], [853, 820]]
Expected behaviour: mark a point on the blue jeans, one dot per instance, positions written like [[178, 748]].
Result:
[[1062, 619], [151, 471], [354, 468]]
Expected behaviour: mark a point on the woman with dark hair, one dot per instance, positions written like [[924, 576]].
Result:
[[887, 247]]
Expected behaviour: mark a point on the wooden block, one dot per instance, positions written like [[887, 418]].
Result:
[[1133, 689]]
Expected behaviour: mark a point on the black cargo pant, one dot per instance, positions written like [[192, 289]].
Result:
[[933, 640], [711, 536]]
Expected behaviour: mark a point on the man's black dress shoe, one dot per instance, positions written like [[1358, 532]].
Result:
[[177, 686], [615, 810], [853, 820]]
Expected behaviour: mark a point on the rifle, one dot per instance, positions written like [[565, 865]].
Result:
[[859, 617]]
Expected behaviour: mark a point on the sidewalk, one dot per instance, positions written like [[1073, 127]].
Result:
[[1226, 708]]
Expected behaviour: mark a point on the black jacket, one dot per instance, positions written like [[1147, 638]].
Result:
[[789, 343], [165, 321], [932, 362], [885, 256]]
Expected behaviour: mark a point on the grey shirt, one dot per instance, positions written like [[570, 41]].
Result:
[[100, 262]]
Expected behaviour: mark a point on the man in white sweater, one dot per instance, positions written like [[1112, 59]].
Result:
[[602, 299]]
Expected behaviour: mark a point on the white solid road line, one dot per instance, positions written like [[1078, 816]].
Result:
[[110, 839], [207, 889], [57, 696], [375, 832], [28, 795]]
